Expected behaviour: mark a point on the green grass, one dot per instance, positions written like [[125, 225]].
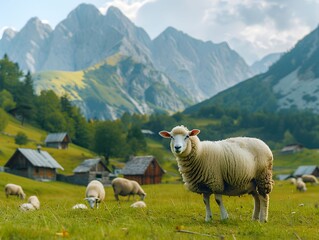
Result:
[[169, 206]]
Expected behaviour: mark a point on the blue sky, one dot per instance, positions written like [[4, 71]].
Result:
[[253, 28]]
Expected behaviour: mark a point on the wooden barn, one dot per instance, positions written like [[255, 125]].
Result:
[[34, 164], [58, 140], [91, 169], [144, 170], [307, 169]]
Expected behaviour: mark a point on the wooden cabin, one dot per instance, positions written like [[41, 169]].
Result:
[[34, 164], [144, 170], [91, 169], [58, 140]]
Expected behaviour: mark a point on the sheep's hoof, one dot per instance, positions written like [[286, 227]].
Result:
[[208, 219]]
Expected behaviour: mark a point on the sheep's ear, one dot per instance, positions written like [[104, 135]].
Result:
[[194, 132], [165, 134]]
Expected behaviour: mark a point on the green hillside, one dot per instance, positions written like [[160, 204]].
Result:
[[68, 158]]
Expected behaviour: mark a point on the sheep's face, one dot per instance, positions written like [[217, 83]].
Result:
[[179, 139], [92, 201]]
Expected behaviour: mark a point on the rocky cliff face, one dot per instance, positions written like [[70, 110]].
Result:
[[292, 83]]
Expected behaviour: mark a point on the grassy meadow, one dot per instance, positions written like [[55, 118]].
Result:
[[172, 213]]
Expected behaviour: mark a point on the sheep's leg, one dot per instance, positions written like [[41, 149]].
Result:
[[256, 205], [223, 211], [264, 204], [209, 214], [116, 197]]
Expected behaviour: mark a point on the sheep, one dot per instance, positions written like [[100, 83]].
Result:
[[27, 207], [309, 179], [125, 187], [34, 201], [139, 204], [13, 189], [292, 180], [232, 167], [94, 193], [300, 185], [79, 206]]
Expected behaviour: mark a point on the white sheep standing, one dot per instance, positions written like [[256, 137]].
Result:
[[308, 178], [34, 201], [232, 167], [94, 193], [300, 185], [126, 187], [13, 189], [139, 204]]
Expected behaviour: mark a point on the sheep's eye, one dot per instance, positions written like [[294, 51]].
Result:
[[187, 136], [172, 137]]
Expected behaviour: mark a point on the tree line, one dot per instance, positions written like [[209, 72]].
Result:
[[123, 137]]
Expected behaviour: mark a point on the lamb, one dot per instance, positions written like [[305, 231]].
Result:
[[32, 204], [292, 180], [94, 193], [300, 185], [34, 201], [125, 187], [309, 179], [232, 167], [13, 189], [139, 204], [27, 207], [79, 206]]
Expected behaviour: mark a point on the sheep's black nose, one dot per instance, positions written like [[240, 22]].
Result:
[[177, 148]]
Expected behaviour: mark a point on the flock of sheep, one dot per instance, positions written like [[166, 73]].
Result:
[[232, 167], [94, 194], [300, 182]]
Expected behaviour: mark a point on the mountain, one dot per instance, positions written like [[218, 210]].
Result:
[[28, 47], [87, 39], [119, 85], [262, 65], [292, 83], [201, 66]]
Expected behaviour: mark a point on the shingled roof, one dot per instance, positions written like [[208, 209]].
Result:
[[301, 170], [55, 137], [87, 164], [38, 158], [137, 166]]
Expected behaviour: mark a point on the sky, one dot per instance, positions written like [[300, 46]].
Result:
[[253, 28]]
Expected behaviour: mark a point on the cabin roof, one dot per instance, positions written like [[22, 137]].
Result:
[[137, 165], [301, 170], [55, 137], [39, 158], [87, 164]]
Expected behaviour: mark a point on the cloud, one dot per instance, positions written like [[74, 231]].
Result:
[[129, 8]]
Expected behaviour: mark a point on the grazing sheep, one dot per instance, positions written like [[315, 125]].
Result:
[[292, 180], [13, 189], [34, 201], [139, 204], [300, 185], [125, 187], [94, 193], [232, 167], [27, 207], [309, 179], [79, 206]]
